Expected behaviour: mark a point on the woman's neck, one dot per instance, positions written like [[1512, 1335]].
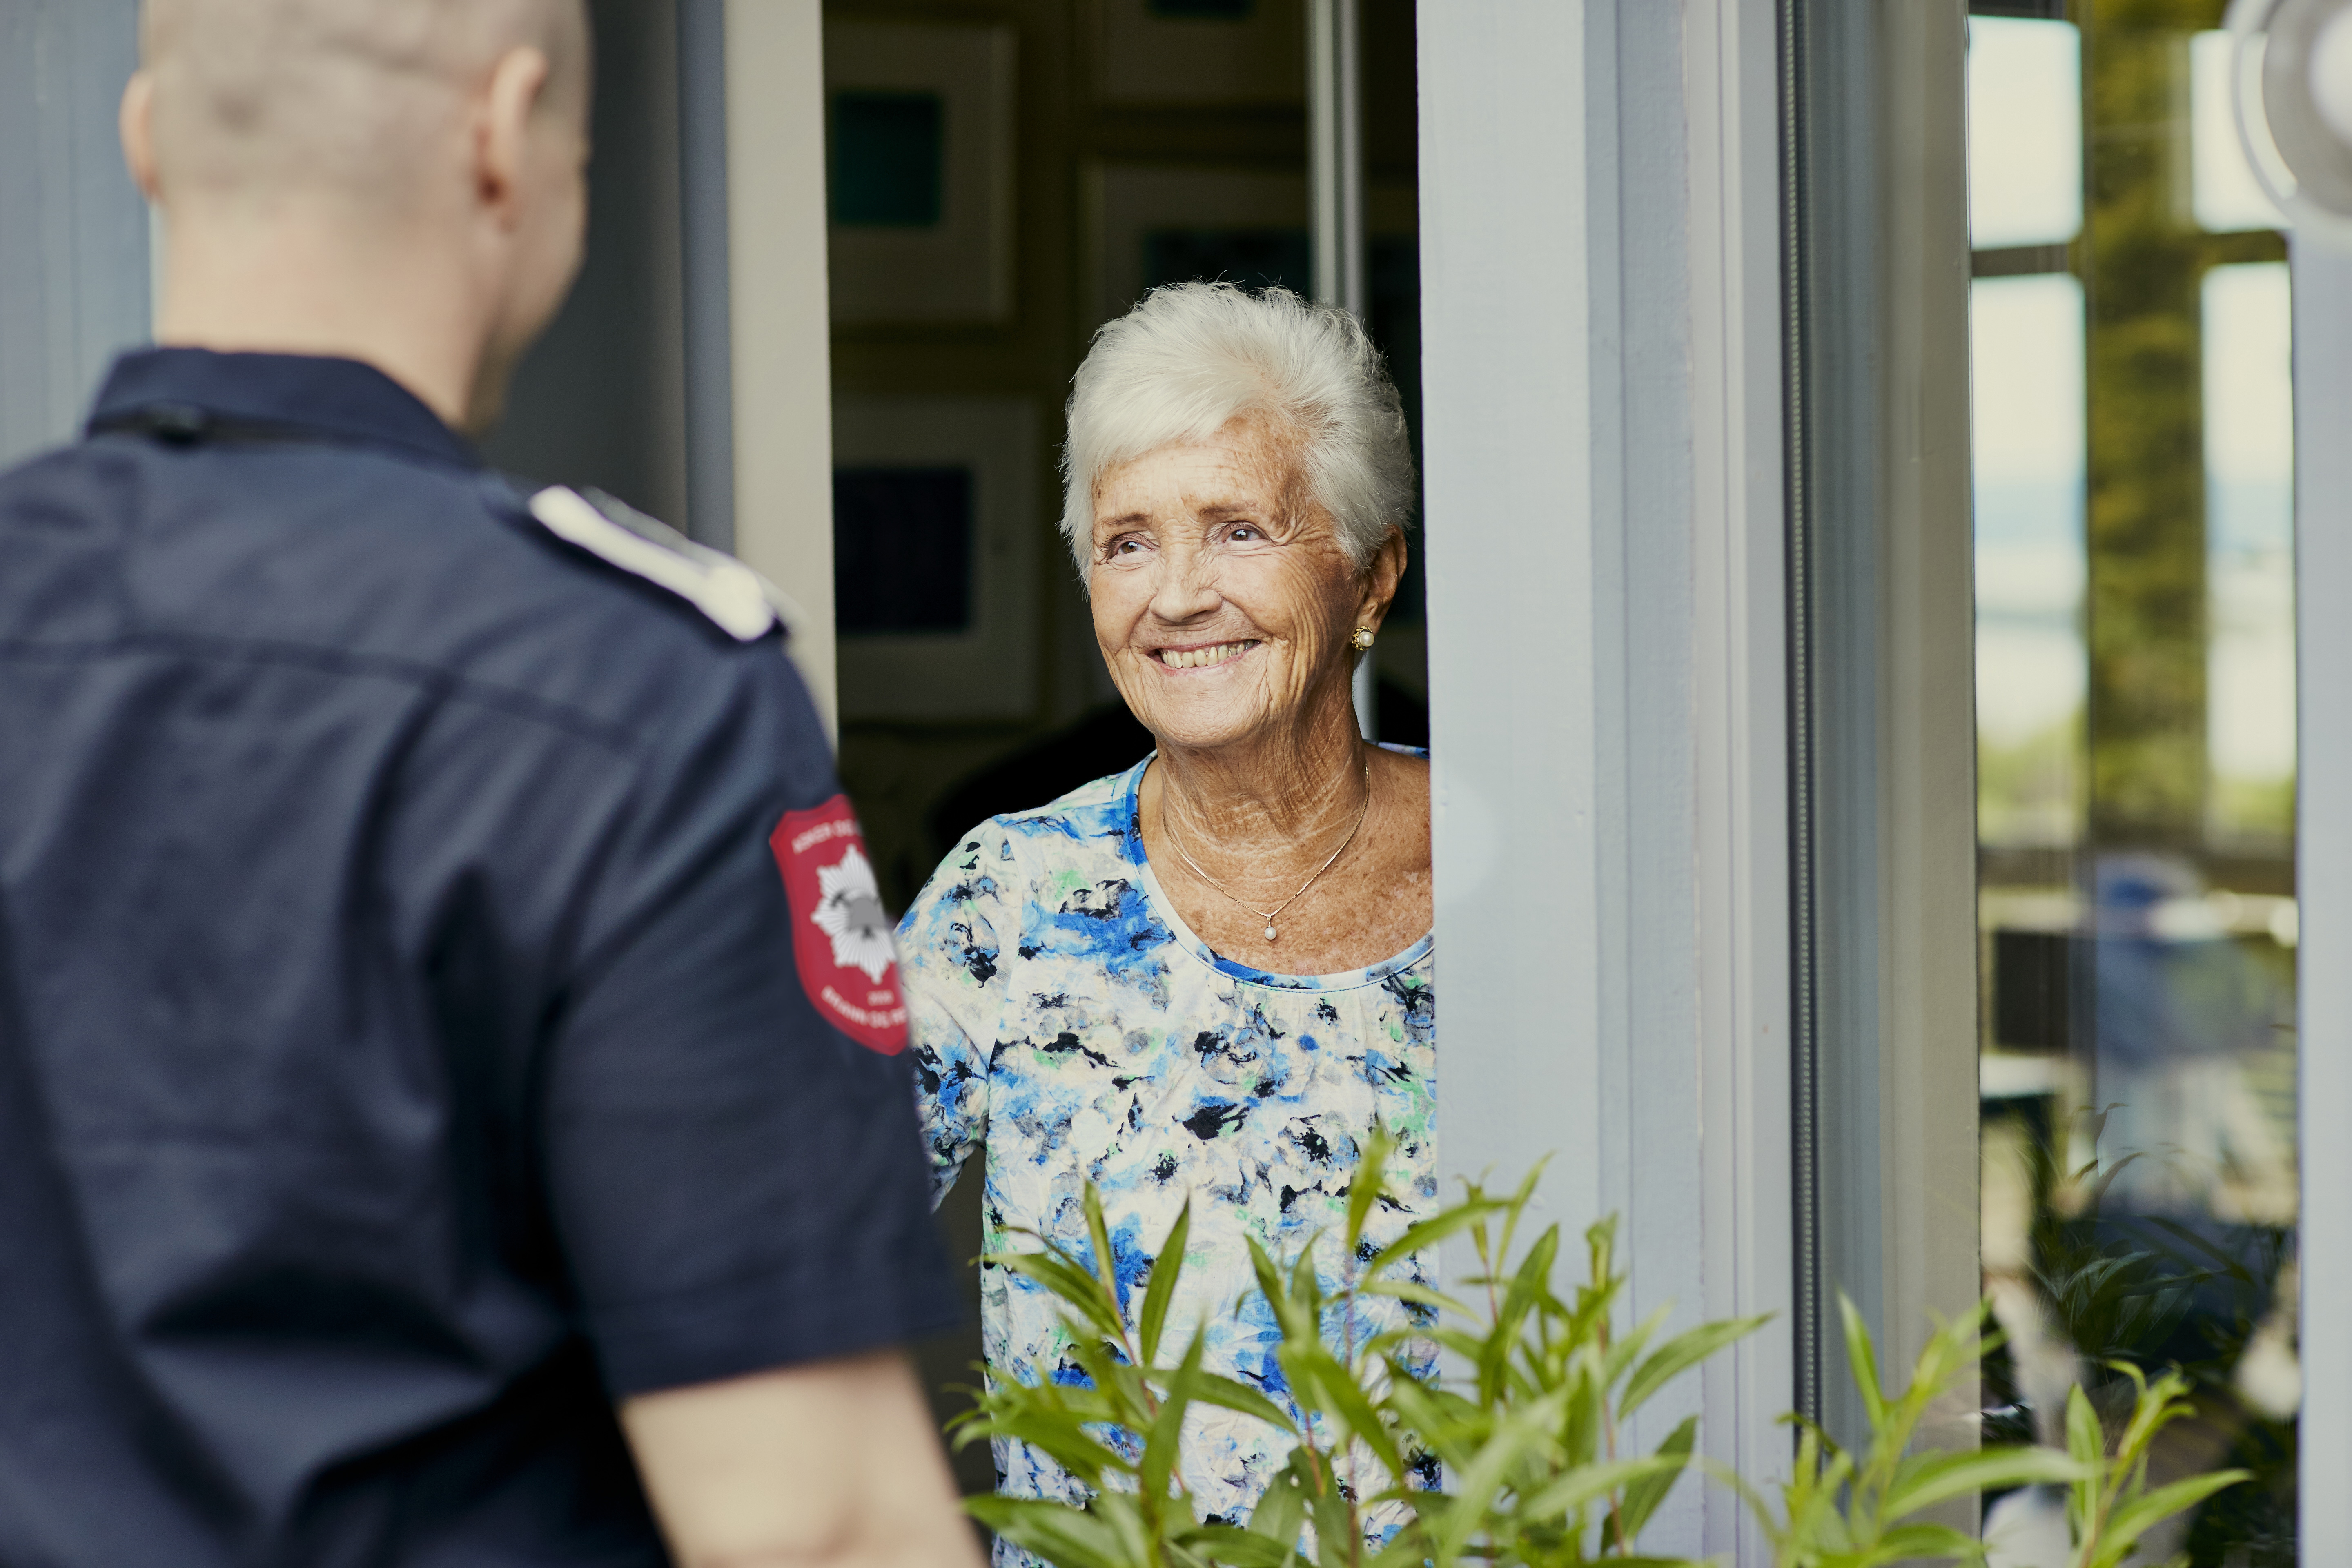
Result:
[[1273, 795]]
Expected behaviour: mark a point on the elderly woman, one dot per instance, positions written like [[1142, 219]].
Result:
[[1208, 976]]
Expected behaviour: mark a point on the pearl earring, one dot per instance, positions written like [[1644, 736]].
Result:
[[1362, 639]]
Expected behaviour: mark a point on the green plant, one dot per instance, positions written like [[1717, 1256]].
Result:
[[1534, 1436], [1842, 1509], [2109, 1507], [2140, 1295]]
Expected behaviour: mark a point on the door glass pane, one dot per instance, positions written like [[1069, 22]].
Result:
[[2134, 478]]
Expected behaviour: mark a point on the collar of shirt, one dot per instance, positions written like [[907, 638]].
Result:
[[298, 395]]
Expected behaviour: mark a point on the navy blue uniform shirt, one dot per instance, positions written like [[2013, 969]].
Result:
[[403, 1054]]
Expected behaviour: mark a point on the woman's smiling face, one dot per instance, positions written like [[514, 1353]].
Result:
[[1223, 601]]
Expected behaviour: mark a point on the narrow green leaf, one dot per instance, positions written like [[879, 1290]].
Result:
[[1161, 1444], [1072, 1287], [1442, 1419], [1427, 1233], [1642, 1497], [1586, 1483], [1270, 1279], [1364, 1187], [2156, 1406], [1067, 1444], [1678, 1355], [1106, 1265], [1515, 1207], [1627, 1349], [1337, 1538], [2086, 1443], [1404, 1550], [1344, 1397], [1162, 1289], [2144, 1513], [1055, 1532], [1524, 1430], [1468, 1346], [1227, 1393], [1527, 1283], [1419, 1295], [1281, 1511], [1917, 1541], [1946, 1476], [1532, 1281], [1234, 1548], [1862, 1358]]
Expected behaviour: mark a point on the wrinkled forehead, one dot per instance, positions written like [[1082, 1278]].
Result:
[[1254, 462]]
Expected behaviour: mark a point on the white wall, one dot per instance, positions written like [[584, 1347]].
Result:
[[779, 344], [1600, 286], [74, 279]]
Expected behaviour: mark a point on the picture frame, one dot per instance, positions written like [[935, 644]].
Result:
[[1253, 218], [913, 644], [1200, 51], [920, 172]]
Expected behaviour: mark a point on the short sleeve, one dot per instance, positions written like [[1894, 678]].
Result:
[[736, 1183], [953, 976]]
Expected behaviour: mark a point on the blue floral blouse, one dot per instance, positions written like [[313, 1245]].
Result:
[[1063, 1014]]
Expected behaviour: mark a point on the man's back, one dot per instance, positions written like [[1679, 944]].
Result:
[[400, 1054]]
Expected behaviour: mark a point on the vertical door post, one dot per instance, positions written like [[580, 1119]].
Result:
[[2323, 573], [1335, 153]]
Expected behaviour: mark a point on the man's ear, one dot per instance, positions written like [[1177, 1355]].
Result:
[[503, 127], [137, 124]]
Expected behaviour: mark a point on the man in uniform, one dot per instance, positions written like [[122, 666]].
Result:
[[439, 993]]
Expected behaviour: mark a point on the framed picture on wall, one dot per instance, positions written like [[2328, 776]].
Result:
[[1152, 224], [1155, 224], [919, 177], [936, 529], [1200, 51]]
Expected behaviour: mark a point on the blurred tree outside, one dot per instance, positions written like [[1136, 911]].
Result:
[[2142, 257]]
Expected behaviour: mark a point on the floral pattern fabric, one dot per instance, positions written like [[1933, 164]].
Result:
[[1065, 1018]]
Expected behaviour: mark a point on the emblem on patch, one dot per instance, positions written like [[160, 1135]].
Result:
[[841, 934]]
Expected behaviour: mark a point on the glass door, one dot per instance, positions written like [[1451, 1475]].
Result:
[[2133, 473]]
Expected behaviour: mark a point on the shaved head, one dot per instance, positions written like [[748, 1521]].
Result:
[[257, 102]]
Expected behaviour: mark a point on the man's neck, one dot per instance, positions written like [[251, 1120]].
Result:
[[289, 286]]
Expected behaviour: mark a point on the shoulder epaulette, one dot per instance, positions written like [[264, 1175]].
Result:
[[743, 604]]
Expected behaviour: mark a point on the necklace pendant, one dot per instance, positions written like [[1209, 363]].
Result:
[[1270, 932]]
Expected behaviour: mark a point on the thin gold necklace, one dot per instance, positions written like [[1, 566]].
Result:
[[1272, 933]]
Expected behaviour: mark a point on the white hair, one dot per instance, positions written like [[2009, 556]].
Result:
[[263, 98], [1193, 357]]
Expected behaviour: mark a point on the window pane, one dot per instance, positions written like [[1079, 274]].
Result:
[[2225, 196], [2134, 465], [2025, 131], [2026, 366], [2249, 551]]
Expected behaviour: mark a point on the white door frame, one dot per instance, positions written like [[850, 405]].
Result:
[[2322, 583], [1600, 286]]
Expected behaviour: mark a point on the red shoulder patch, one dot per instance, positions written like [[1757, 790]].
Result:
[[841, 937]]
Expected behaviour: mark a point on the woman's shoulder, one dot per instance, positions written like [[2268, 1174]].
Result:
[[1089, 810], [1084, 829]]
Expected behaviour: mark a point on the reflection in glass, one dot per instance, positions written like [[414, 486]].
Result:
[[2249, 551], [2223, 193], [2026, 352], [2025, 132], [2134, 472]]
